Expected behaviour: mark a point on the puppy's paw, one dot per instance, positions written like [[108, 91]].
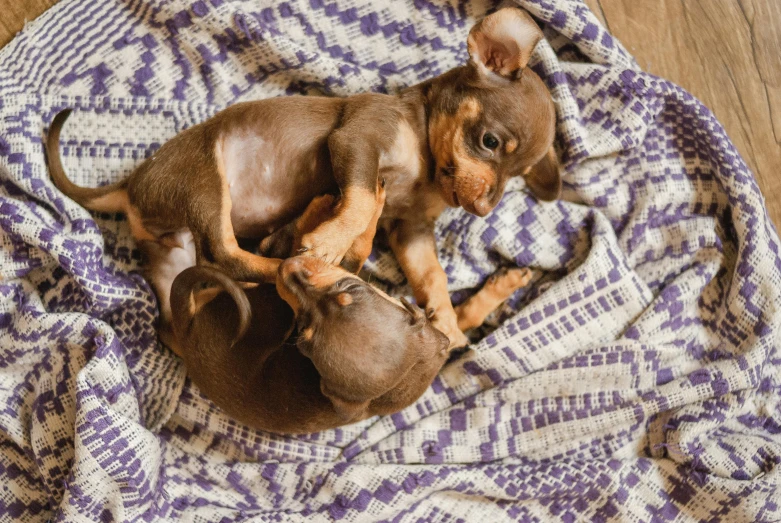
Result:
[[449, 327], [507, 280], [330, 248]]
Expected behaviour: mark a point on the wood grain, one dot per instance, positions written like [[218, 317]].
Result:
[[725, 52], [16, 12]]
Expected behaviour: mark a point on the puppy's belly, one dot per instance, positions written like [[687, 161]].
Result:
[[271, 183], [256, 213]]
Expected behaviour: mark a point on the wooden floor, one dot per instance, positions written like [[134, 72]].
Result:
[[725, 52]]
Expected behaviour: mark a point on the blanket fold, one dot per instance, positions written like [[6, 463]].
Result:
[[636, 379]]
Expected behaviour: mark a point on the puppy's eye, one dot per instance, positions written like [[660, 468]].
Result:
[[490, 141]]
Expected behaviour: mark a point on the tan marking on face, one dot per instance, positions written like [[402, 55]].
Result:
[[388, 297], [469, 109], [511, 146], [308, 333], [446, 136], [344, 299], [479, 175], [328, 275], [445, 130]]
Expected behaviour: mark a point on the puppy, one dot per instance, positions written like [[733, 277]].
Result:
[[452, 140], [357, 352]]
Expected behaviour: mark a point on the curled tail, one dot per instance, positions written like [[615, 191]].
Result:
[[109, 198], [184, 304]]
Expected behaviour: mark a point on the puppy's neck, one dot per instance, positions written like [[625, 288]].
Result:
[[417, 111]]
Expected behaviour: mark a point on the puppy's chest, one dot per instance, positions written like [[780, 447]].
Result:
[[405, 170]]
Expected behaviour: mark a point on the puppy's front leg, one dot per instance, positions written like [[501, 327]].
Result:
[[355, 163], [416, 250]]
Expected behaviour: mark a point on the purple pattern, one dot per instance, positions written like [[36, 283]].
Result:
[[636, 380]]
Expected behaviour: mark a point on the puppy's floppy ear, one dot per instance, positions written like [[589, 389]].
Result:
[[432, 338], [543, 179], [346, 410], [436, 340], [418, 315], [502, 42]]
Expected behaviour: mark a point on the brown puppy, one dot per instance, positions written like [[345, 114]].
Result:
[[358, 353], [453, 140]]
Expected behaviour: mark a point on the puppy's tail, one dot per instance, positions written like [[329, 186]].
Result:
[[109, 198], [185, 302]]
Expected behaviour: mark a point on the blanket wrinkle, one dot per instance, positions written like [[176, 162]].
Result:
[[638, 376]]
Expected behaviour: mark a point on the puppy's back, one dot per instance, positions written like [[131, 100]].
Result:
[[246, 367]]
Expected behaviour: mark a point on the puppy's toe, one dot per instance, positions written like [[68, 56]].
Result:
[[497, 276], [509, 279], [331, 252], [517, 277]]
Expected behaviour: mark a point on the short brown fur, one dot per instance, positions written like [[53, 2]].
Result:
[[269, 384], [247, 171]]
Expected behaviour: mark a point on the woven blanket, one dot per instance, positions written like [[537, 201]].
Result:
[[637, 379]]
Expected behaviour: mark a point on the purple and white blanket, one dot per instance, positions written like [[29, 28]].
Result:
[[636, 380]]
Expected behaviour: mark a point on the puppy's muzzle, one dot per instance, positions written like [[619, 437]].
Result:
[[295, 273], [475, 195], [305, 272]]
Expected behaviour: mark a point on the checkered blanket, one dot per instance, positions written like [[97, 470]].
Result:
[[637, 379]]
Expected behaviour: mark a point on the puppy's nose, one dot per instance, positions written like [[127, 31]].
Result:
[[482, 204], [298, 267]]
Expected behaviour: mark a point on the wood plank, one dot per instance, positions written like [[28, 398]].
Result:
[[725, 52], [16, 13]]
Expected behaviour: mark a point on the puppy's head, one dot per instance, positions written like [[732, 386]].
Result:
[[493, 118], [361, 341]]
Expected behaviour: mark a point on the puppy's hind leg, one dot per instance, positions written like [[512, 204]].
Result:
[[164, 260], [500, 286], [216, 245]]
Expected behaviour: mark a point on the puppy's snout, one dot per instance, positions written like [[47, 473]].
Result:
[[483, 204], [303, 273], [298, 269]]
